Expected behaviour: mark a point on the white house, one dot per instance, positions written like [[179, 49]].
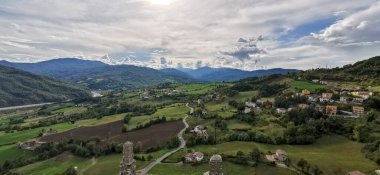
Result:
[[247, 110], [194, 157], [250, 104]]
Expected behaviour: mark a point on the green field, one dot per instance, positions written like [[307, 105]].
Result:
[[245, 96], [300, 85], [54, 165], [228, 169], [329, 153], [194, 89], [375, 88], [171, 112], [8, 138], [11, 152], [222, 109]]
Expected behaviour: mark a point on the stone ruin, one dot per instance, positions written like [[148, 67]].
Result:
[[128, 163], [215, 165]]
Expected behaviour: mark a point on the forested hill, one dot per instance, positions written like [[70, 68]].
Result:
[[98, 75], [365, 71], [18, 87]]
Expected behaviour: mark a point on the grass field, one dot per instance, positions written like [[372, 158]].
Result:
[[222, 109], [198, 88], [305, 85], [375, 88], [8, 138], [228, 169], [54, 165], [171, 112], [328, 153], [245, 96], [11, 152]]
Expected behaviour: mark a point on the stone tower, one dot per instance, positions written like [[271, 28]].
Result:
[[128, 163], [215, 165]]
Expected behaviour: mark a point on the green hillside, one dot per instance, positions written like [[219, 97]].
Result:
[[363, 71], [19, 88]]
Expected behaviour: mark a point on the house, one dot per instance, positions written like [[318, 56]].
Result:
[[30, 144], [250, 104], [303, 106], [323, 82], [194, 157], [343, 99], [247, 110], [315, 81], [355, 173], [281, 110], [280, 155], [199, 131], [331, 110], [312, 99], [357, 110], [204, 112], [363, 94], [326, 97], [305, 92], [199, 101], [358, 100]]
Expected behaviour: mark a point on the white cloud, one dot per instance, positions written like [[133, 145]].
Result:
[[187, 32]]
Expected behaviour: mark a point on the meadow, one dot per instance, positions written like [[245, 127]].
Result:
[[329, 153], [11, 152], [228, 169], [172, 112], [222, 109], [301, 85]]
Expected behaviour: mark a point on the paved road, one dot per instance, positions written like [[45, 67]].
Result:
[[181, 146], [24, 106]]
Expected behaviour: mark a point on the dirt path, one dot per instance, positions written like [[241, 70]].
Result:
[[93, 162], [145, 170]]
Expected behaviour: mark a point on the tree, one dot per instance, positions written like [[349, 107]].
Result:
[[255, 154], [302, 163], [240, 154], [150, 157], [317, 171]]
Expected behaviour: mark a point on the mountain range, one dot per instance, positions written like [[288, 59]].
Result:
[[98, 75], [19, 87]]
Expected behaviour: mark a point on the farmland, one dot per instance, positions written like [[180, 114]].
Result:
[[305, 85], [112, 132]]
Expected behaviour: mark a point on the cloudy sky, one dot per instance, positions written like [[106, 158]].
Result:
[[244, 34]]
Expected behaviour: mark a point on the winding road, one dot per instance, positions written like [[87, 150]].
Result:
[[145, 170]]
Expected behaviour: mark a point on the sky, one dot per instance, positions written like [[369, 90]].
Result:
[[242, 34]]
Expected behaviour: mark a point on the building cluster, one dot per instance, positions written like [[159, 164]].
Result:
[[200, 131], [279, 156], [328, 102], [194, 157]]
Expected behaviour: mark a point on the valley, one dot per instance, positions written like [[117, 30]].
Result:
[[316, 122]]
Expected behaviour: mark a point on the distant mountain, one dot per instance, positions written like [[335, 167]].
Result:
[[364, 71], [125, 77], [57, 68], [228, 74], [18, 87], [98, 75]]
